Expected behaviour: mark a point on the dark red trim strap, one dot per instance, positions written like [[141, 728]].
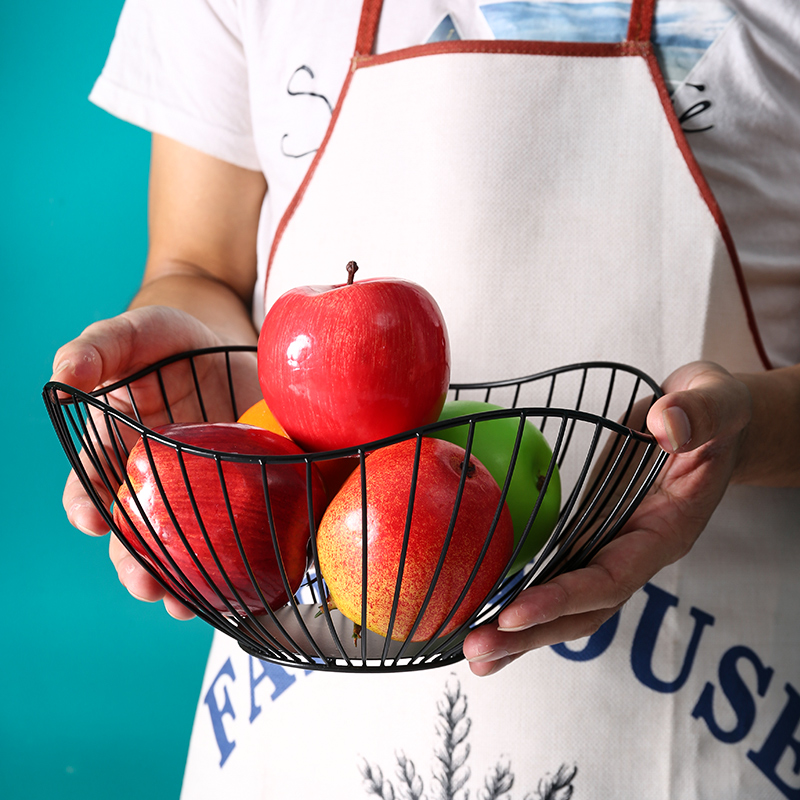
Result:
[[711, 202], [519, 47], [368, 27], [640, 24]]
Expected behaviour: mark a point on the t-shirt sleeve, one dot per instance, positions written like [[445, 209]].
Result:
[[178, 68]]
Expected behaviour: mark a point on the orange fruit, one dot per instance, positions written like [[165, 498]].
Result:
[[260, 416], [334, 471]]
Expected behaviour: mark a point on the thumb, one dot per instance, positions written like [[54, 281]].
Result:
[[702, 402], [113, 348]]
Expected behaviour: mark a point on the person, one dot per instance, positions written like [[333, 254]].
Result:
[[562, 204]]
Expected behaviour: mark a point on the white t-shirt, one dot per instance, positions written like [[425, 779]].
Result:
[[254, 83]]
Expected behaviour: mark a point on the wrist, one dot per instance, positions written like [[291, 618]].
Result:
[[769, 448], [206, 298]]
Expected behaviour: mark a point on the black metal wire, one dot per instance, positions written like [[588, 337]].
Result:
[[611, 464]]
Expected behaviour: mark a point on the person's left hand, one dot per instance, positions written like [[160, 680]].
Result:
[[701, 420]]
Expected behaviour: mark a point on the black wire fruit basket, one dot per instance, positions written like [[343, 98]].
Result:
[[223, 546]]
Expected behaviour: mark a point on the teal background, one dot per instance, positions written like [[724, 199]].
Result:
[[98, 689]]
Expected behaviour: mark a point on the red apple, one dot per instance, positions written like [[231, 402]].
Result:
[[345, 365], [161, 490], [389, 480]]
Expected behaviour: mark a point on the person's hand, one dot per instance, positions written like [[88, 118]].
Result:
[[113, 349], [701, 420]]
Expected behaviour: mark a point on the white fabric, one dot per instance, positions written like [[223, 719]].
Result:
[[188, 81], [215, 74]]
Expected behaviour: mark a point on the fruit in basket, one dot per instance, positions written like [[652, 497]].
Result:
[[389, 481], [334, 471], [348, 364], [260, 415], [493, 445], [182, 497]]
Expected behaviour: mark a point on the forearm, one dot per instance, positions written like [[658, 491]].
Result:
[[770, 451], [203, 225]]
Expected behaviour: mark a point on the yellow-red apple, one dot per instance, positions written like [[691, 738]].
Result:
[[340, 540]]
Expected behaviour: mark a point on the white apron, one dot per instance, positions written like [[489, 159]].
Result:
[[545, 195]]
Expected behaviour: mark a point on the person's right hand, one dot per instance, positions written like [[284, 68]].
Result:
[[115, 348]]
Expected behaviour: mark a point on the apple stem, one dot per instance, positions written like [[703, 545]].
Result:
[[352, 268]]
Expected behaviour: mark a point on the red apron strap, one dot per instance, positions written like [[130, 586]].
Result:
[[368, 27], [641, 21]]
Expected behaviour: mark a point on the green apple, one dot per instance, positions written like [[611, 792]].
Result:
[[493, 445]]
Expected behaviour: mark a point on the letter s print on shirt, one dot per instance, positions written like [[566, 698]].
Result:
[[294, 89]]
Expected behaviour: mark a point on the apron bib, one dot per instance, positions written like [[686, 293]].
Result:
[[545, 196]]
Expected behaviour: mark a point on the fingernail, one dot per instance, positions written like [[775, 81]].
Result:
[[677, 426], [492, 655], [514, 628], [128, 565], [521, 616], [64, 365], [76, 514]]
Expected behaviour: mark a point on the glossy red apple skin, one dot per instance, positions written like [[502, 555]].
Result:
[[389, 473], [286, 484], [349, 364]]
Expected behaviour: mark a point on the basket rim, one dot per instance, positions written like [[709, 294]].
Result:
[[496, 384], [53, 402], [565, 414]]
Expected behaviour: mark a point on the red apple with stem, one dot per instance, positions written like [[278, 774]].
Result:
[[208, 514], [352, 363], [390, 491]]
